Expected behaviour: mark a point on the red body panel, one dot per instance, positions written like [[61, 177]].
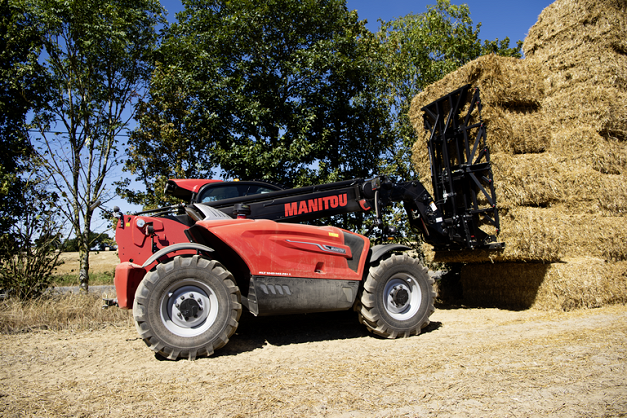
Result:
[[134, 244], [280, 249], [193, 185], [134, 248], [127, 278], [268, 248]]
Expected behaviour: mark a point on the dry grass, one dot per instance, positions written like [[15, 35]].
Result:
[[470, 362], [59, 312], [101, 268], [99, 262]]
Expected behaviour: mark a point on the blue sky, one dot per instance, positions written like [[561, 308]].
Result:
[[499, 18]]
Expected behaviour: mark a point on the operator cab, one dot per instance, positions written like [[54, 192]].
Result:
[[229, 190], [205, 191]]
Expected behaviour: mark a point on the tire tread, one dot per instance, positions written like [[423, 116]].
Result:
[[143, 293], [368, 309]]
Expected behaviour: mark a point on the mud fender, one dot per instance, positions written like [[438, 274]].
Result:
[[378, 251], [175, 247]]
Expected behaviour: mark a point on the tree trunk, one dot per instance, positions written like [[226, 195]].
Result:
[[83, 275], [84, 244]]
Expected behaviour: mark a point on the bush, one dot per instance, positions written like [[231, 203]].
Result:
[[27, 270], [29, 247]]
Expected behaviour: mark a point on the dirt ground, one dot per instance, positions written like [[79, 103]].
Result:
[[469, 362]]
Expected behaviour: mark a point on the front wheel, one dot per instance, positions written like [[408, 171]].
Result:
[[187, 307], [397, 298]]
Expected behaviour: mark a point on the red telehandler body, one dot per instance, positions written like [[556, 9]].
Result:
[[187, 270]]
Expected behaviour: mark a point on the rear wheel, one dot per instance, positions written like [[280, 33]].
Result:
[[397, 298], [187, 307]]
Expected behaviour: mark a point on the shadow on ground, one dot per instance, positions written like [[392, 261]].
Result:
[[255, 332]]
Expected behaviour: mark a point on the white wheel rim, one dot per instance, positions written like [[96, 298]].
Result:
[[188, 308], [402, 297]]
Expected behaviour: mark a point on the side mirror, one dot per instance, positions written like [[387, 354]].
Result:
[[241, 210]]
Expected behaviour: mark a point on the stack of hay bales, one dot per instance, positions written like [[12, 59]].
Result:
[[557, 130]]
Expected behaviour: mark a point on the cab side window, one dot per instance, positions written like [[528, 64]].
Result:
[[258, 190], [220, 193], [229, 191]]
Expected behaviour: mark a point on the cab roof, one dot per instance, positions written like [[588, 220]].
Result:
[[186, 188]]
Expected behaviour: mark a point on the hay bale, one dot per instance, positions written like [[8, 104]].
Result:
[[594, 66], [557, 130], [529, 234], [511, 92], [546, 180], [584, 282], [526, 180], [568, 25], [513, 129], [546, 235], [510, 131], [585, 146], [504, 82], [603, 109], [530, 131]]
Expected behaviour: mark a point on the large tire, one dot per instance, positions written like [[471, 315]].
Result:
[[187, 307], [397, 298]]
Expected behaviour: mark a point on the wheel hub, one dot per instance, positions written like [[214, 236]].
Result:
[[400, 296], [189, 308]]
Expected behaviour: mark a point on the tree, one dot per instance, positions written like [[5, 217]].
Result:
[[29, 229], [417, 50], [274, 89], [21, 89], [170, 142], [98, 57]]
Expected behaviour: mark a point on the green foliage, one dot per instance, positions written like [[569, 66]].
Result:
[[268, 89], [171, 141], [21, 89], [99, 56], [418, 50], [29, 249]]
